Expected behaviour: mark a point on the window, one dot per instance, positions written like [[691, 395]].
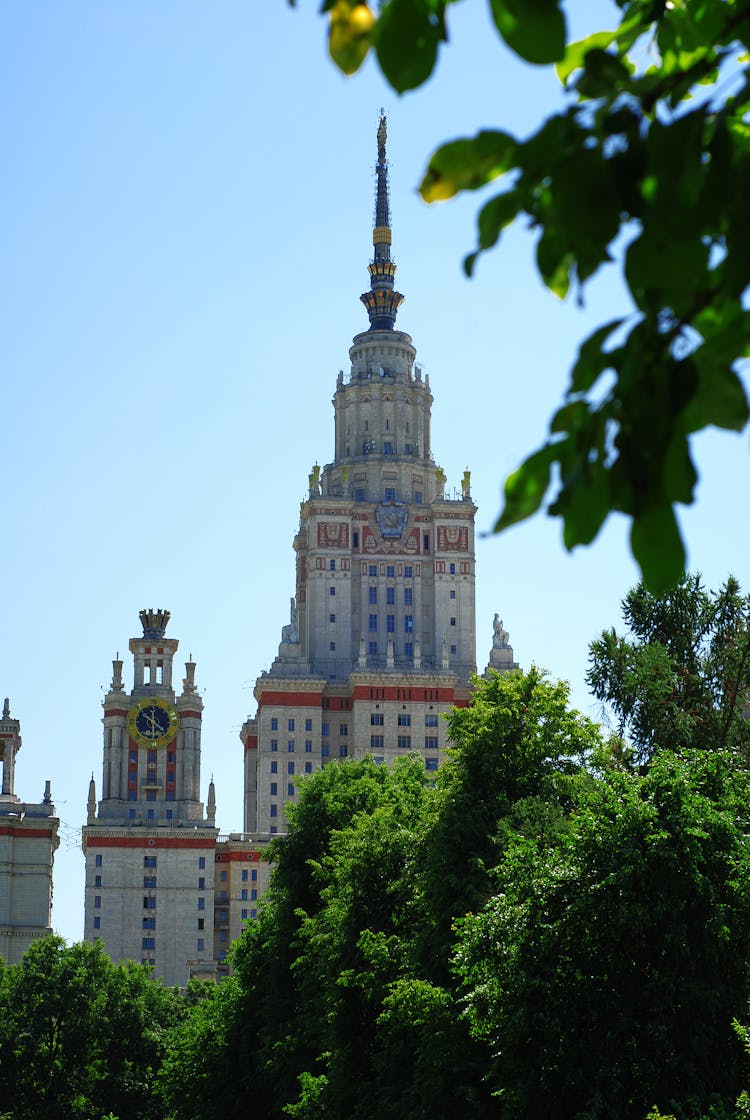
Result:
[[408, 596], [149, 903], [389, 493], [373, 623], [201, 883], [324, 750], [376, 740], [97, 922], [332, 646], [390, 623], [359, 494], [332, 565], [201, 923], [407, 571], [308, 746], [372, 570], [308, 723], [343, 729], [149, 861], [132, 797], [274, 745], [201, 944], [453, 621], [97, 901], [409, 649], [201, 904], [254, 875], [431, 720], [453, 594], [372, 648], [290, 789], [244, 874], [431, 742], [148, 923], [376, 719], [372, 594], [243, 894], [417, 497], [222, 935], [201, 861], [253, 913], [131, 775], [133, 756], [290, 747], [453, 649], [149, 880], [254, 895], [324, 730], [274, 829], [274, 766], [274, 810], [290, 725], [274, 789], [290, 767], [131, 812], [355, 539], [148, 943], [244, 915], [343, 751], [390, 571], [404, 741], [431, 764], [152, 758], [170, 756], [308, 767], [404, 720], [390, 596], [170, 797], [409, 623], [425, 542], [452, 569], [388, 450], [331, 590], [223, 876], [98, 881], [98, 861], [274, 723]]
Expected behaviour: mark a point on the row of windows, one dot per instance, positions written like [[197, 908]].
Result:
[[290, 724], [151, 756], [430, 741], [389, 493], [390, 571]]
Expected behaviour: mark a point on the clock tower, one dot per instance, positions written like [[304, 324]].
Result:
[[149, 846]]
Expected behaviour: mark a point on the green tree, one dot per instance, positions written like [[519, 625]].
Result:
[[680, 678], [651, 142], [518, 754], [81, 1036], [607, 969]]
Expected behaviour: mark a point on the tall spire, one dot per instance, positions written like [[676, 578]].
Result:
[[382, 301]]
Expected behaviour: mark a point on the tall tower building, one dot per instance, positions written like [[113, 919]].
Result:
[[28, 841], [381, 639], [149, 846]]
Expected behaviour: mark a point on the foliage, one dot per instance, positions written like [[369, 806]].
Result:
[[606, 970], [81, 1036], [681, 678], [651, 146]]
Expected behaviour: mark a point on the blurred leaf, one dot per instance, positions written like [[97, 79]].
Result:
[[593, 359], [526, 487], [575, 53], [406, 39], [534, 29], [350, 25], [657, 547], [465, 165]]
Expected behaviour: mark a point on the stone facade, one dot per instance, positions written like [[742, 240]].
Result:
[[28, 841]]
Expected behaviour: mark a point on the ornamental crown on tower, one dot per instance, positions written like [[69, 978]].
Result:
[[382, 301], [154, 622]]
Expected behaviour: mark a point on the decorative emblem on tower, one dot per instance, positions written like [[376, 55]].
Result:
[[391, 518], [382, 301]]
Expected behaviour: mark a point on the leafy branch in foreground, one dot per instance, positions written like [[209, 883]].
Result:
[[657, 151]]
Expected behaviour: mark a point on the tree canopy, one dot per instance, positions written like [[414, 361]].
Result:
[[651, 144]]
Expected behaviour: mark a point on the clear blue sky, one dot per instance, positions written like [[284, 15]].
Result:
[[185, 216]]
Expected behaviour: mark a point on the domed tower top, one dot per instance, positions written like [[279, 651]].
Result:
[[382, 301]]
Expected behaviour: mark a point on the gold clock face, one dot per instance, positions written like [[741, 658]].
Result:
[[152, 722]]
